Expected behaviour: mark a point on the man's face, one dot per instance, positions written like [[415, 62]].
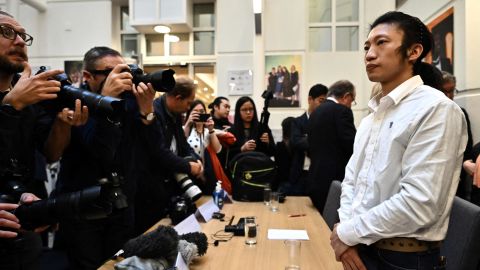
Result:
[[383, 61], [223, 109], [95, 78], [13, 53], [448, 89], [313, 103], [183, 104]]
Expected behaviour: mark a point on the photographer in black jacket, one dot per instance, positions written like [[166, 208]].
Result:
[[102, 148], [167, 147], [24, 127]]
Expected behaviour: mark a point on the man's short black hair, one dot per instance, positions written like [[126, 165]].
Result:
[[318, 90], [340, 88], [95, 53]]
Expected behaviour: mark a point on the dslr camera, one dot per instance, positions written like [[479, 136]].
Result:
[[91, 203], [180, 208]]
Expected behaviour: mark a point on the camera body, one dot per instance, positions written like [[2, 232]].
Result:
[[180, 208], [162, 80], [203, 117]]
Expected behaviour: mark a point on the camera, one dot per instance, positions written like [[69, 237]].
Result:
[[203, 117], [189, 189], [162, 80], [95, 202], [181, 207], [96, 103]]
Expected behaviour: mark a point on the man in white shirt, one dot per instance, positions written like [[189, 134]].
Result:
[[401, 179]]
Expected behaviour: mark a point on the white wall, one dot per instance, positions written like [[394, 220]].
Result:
[[66, 30]]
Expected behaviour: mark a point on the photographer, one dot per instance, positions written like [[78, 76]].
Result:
[[167, 147], [103, 149], [25, 127]]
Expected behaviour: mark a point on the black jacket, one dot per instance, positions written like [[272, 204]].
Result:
[[331, 133], [21, 133], [299, 142]]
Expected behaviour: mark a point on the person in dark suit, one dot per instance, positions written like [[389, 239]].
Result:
[[331, 133], [299, 144], [448, 87]]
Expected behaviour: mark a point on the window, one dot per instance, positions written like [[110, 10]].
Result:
[[204, 76], [156, 44], [204, 29], [333, 25], [129, 36]]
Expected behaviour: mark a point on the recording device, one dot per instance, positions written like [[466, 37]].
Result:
[[186, 184], [180, 208], [238, 229], [203, 117], [95, 202], [96, 103], [162, 80], [165, 243]]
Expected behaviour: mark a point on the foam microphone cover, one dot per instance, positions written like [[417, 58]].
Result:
[[199, 239], [160, 243]]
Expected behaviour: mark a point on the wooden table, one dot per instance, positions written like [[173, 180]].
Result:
[[316, 253]]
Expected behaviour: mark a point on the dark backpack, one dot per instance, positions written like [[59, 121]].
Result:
[[251, 173]]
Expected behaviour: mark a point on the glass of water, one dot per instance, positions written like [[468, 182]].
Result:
[[266, 195], [250, 231], [274, 197]]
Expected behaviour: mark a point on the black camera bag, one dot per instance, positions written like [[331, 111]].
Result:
[[251, 173]]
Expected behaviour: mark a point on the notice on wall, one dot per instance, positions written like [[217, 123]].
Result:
[[240, 82]]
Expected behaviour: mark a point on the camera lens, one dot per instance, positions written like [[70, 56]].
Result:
[[188, 187]]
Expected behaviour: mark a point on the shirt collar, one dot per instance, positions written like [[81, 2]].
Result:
[[397, 94], [332, 99]]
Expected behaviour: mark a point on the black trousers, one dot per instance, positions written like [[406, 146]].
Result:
[[381, 259]]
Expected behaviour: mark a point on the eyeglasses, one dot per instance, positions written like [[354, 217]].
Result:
[[10, 33], [101, 72], [248, 110]]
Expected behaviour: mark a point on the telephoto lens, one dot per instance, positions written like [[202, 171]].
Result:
[[188, 187]]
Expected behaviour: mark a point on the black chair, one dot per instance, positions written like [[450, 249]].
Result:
[[461, 246], [330, 213]]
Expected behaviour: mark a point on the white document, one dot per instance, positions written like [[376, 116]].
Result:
[[180, 263], [188, 225], [206, 210], [277, 234]]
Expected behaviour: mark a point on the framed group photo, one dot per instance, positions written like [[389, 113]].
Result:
[[282, 78]]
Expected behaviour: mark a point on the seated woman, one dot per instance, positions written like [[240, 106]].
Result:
[[250, 134], [200, 134]]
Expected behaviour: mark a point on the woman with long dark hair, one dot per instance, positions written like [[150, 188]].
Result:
[[250, 134]]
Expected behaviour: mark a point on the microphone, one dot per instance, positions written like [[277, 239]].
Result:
[[165, 243]]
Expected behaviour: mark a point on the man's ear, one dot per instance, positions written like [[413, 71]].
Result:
[[414, 52], [86, 75]]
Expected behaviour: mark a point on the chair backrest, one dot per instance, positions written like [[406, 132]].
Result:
[[330, 213], [462, 243]]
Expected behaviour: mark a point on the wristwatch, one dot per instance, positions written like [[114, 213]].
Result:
[[148, 117], [9, 109]]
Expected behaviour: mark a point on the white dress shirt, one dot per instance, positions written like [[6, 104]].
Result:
[[405, 167]]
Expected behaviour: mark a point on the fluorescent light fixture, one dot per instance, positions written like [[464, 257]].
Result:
[[205, 89], [257, 6], [173, 38], [162, 29]]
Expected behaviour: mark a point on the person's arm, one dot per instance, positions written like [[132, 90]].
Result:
[[346, 130], [431, 164], [298, 139], [476, 173], [212, 137], [60, 133]]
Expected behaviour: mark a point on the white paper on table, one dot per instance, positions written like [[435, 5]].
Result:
[[278, 234], [180, 263], [188, 225]]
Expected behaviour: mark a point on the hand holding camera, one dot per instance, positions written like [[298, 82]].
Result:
[[33, 89], [118, 81], [264, 138], [8, 220]]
